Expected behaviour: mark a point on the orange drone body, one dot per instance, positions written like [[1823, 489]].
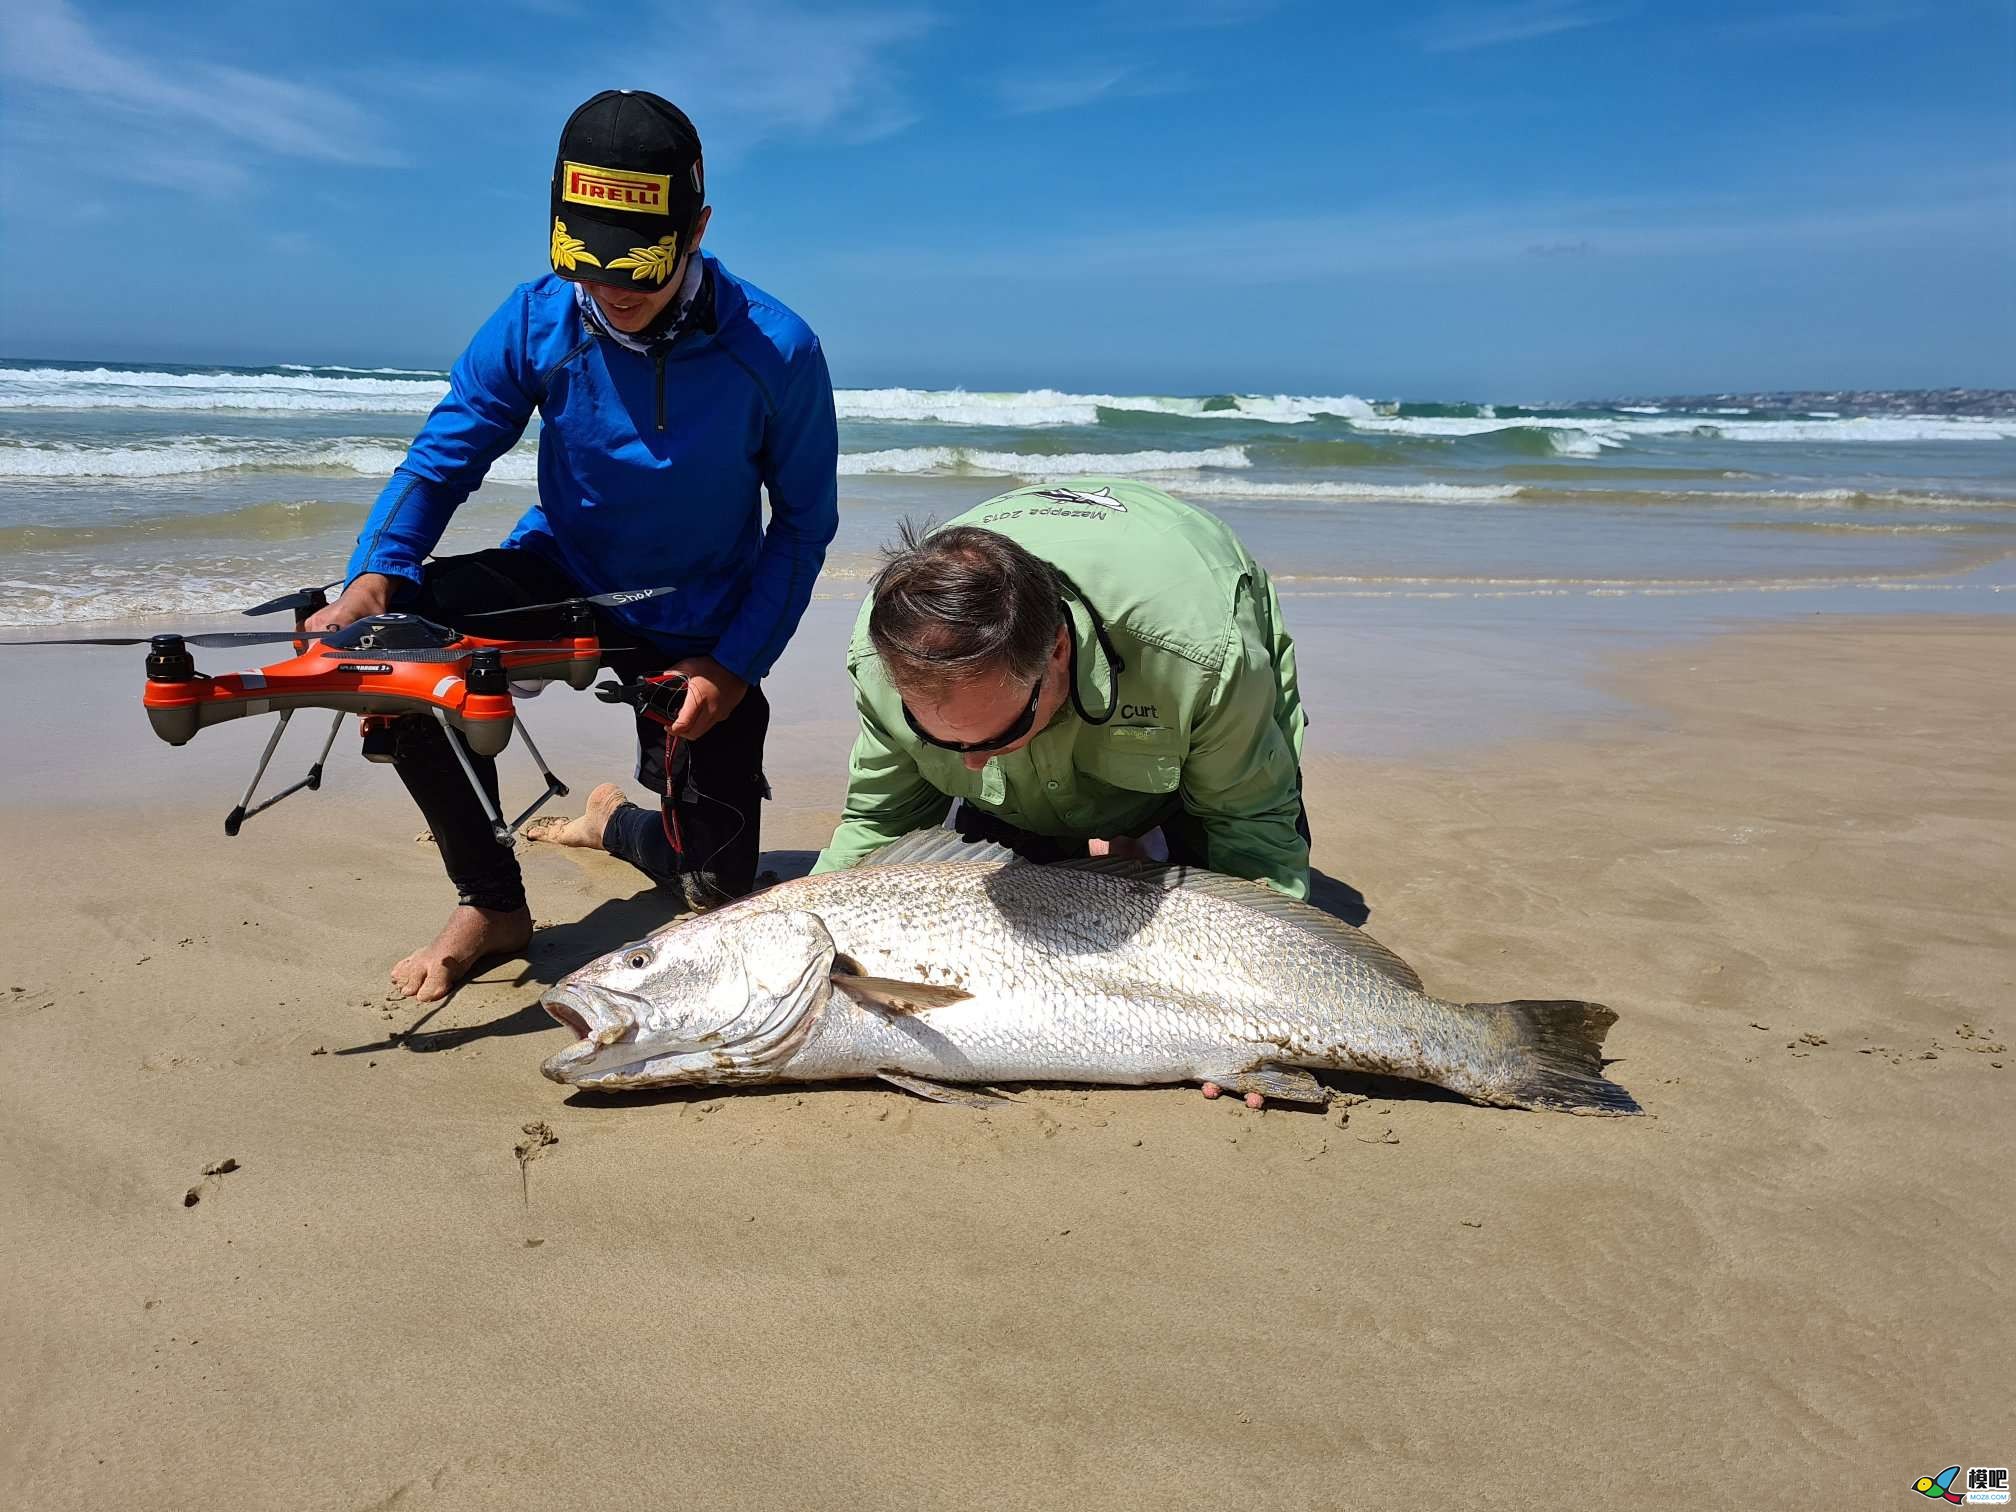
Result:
[[384, 666], [355, 680]]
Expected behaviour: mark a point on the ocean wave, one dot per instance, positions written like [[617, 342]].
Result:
[[158, 598], [1404, 493], [1580, 443], [1815, 498], [272, 521], [926, 461], [1051, 407], [126, 388], [1574, 436], [1213, 487], [196, 456], [337, 367], [1870, 428]]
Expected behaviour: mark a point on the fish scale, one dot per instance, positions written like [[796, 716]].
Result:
[[929, 967]]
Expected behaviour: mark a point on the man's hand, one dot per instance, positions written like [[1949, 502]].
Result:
[[369, 593], [712, 692], [1119, 848], [1148, 847]]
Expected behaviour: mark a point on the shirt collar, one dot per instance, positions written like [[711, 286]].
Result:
[[682, 310]]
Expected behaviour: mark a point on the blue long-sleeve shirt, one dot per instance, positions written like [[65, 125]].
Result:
[[652, 467]]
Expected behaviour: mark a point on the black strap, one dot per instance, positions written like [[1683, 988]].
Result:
[[1114, 665]]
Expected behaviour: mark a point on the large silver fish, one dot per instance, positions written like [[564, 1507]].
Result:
[[939, 963]]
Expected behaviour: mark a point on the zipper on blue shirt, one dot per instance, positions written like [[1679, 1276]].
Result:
[[658, 361]]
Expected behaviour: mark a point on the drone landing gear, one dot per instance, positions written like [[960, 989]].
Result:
[[555, 788], [234, 820], [505, 833]]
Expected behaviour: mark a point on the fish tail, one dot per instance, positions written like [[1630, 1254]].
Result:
[[1557, 1059]]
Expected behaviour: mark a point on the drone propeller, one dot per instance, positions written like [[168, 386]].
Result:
[[597, 600], [300, 601], [455, 654], [277, 637], [209, 638]]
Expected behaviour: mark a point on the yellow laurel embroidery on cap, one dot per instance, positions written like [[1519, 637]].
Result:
[[569, 250], [655, 263]]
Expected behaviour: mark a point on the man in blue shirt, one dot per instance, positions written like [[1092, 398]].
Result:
[[673, 396]]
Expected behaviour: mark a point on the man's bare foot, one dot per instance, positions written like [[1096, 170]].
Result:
[[469, 935], [585, 832]]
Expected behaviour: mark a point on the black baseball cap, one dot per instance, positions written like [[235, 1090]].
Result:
[[627, 188]]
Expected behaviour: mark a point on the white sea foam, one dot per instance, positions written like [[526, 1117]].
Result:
[[1409, 493], [337, 367], [1821, 498], [124, 388], [1050, 407], [1610, 431], [1209, 486], [924, 461], [195, 456], [1582, 443]]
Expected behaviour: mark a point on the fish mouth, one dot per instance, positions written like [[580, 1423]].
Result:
[[597, 1019], [560, 1007]]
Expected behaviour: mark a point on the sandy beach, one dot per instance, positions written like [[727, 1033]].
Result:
[[1785, 854]]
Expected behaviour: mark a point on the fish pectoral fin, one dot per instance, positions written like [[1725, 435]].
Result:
[[893, 996], [964, 1097], [1288, 1083]]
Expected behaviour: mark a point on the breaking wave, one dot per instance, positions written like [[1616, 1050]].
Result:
[[1050, 407], [1410, 493], [1586, 435], [928, 461], [316, 391], [197, 456]]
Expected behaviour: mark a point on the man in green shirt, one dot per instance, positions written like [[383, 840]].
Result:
[[1081, 665]]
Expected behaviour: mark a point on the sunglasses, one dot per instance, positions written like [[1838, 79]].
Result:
[[1007, 737]]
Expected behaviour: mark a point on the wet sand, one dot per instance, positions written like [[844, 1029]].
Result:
[[1786, 856]]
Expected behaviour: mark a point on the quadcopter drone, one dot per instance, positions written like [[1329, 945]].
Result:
[[382, 667]]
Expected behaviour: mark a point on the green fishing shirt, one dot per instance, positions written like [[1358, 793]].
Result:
[[1206, 722]]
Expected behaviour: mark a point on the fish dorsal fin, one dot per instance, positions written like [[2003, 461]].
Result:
[[937, 845], [892, 996], [1263, 900]]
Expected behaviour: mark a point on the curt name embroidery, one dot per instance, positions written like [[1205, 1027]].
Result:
[[616, 189]]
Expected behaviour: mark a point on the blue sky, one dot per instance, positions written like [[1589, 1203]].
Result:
[[1529, 199]]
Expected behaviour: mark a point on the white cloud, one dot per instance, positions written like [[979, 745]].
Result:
[[1039, 93], [751, 70], [215, 111], [1465, 27]]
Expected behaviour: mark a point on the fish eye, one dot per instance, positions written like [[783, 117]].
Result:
[[637, 960]]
